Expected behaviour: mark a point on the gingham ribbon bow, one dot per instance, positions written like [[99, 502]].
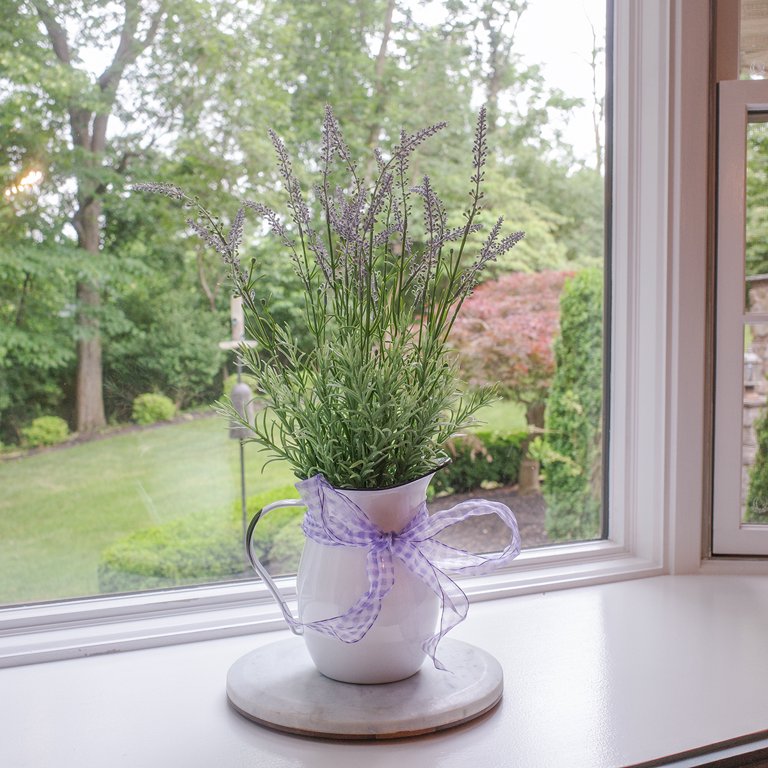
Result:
[[332, 519]]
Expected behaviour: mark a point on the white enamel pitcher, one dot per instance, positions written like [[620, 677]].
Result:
[[331, 579]]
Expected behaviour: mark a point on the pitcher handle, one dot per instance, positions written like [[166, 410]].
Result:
[[295, 626]]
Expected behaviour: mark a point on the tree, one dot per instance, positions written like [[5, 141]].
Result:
[[89, 132], [573, 484], [89, 111], [186, 93], [505, 334]]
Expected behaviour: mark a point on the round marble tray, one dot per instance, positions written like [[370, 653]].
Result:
[[278, 686]]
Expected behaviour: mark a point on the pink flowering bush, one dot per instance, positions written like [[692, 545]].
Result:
[[505, 334]]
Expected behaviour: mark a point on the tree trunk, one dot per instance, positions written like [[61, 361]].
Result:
[[534, 414], [528, 477], [379, 94], [598, 102], [89, 396], [500, 44]]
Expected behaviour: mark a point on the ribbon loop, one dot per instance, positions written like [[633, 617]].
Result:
[[334, 520]]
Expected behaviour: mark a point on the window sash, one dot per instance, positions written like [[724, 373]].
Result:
[[730, 536]]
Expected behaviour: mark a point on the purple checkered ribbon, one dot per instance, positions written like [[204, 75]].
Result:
[[334, 520]]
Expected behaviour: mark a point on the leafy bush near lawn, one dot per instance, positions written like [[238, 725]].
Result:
[[203, 548], [277, 538], [45, 430], [481, 458], [150, 408], [191, 550]]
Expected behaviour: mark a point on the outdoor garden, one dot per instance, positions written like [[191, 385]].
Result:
[[116, 473]]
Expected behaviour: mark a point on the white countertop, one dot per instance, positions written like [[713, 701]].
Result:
[[610, 675]]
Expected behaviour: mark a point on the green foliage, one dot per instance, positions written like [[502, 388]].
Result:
[[756, 231], [231, 70], [203, 548], [378, 393], [572, 486], [570, 203], [45, 430], [151, 407], [480, 458], [185, 361], [286, 549], [108, 489], [277, 538], [757, 496], [196, 549]]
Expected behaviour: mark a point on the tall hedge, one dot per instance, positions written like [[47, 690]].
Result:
[[572, 487], [481, 457]]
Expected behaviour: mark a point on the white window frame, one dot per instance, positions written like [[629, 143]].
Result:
[[730, 535], [658, 283]]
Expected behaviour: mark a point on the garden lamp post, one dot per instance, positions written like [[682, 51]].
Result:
[[241, 396]]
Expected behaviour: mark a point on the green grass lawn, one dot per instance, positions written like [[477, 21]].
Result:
[[60, 508]]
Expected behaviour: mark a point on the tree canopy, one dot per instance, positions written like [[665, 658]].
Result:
[[104, 295]]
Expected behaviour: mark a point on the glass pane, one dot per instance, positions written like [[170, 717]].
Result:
[[756, 232], [755, 425], [116, 328]]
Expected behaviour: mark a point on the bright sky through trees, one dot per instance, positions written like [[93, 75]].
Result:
[[558, 35]]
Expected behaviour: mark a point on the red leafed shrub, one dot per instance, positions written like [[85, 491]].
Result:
[[505, 334]]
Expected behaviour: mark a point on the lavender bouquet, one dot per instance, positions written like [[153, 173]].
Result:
[[373, 401]]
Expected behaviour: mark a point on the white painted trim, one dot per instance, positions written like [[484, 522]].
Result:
[[86, 628], [639, 312], [687, 394]]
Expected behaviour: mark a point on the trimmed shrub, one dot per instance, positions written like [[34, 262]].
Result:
[[203, 548], [287, 546], [757, 496], [45, 430], [192, 550], [150, 408], [573, 486], [481, 458], [271, 525]]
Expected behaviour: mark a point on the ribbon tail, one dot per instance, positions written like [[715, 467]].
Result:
[[454, 604]]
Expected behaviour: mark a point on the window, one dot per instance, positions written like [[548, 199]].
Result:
[[656, 401], [739, 495], [740, 489], [136, 312]]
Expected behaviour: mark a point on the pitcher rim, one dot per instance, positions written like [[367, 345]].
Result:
[[444, 463]]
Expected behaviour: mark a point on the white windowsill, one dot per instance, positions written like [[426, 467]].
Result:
[[609, 675], [42, 633]]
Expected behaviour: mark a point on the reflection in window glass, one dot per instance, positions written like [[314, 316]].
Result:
[[116, 325], [753, 40], [754, 488], [754, 414]]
